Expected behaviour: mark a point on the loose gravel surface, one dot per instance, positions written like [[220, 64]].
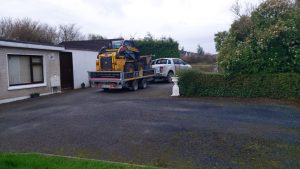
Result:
[[150, 127]]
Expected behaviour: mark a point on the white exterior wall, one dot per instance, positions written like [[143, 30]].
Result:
[[50, 67], [83, 61]]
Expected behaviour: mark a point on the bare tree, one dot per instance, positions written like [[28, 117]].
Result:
[[27, 30], [249, 8], [34, 31], [239, 11], [50, 33], [236, 8], [70, 32], [6, 25]]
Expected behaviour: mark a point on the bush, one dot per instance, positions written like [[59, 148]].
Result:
[[281, 85], [266, 41], [160, 48], [193, 58]]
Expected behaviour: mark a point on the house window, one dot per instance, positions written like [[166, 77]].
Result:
[[25, 69]]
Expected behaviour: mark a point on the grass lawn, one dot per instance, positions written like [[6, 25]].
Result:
[[36, 161]]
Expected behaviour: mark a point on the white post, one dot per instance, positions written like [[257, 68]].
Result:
[[175, 90]]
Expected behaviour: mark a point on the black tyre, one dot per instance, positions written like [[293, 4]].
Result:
[[143, 84], [129, 67], [169, 77], [134, 85]]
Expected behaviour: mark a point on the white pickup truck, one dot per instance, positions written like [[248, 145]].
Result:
[[165, 68]]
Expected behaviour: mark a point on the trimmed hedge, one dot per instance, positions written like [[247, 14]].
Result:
[[159, 48], [281, 85]]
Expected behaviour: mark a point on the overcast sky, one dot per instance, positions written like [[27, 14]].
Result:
[[190, 22]]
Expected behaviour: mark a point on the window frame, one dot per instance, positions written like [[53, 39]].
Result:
[[33, 83], [161, 60], [182, 62], [176, 61], [32, 64]]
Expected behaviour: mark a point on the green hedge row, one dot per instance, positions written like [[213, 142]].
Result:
[[281, 85], [159, 48]]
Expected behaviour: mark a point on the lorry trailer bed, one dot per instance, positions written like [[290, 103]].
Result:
[[119, 80]]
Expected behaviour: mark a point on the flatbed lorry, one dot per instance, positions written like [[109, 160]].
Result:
[[118, 80], [121, 66]]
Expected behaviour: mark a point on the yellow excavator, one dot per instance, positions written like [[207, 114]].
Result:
[[122, 56], [121, 66]]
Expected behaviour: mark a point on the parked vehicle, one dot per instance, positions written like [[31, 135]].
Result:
[[165, 68], [121, 66], [122, 55]]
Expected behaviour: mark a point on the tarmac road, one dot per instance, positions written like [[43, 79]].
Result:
[[149, 127]]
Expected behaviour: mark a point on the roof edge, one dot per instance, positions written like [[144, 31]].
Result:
[[29, 45]]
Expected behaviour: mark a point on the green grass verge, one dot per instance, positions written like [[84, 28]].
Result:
[[261, 155], [37, 161]]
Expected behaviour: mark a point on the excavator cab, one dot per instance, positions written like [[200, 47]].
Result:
[[122, 55], [116, 44]]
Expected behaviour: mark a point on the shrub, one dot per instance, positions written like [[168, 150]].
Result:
[[266, 41], [160, 48], [280, 85]]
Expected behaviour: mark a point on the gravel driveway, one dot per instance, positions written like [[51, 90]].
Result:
[[149, 127]]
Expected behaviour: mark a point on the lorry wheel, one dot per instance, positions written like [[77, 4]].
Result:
[[129, 67], [143, 84], [134, 85], [169, 77]]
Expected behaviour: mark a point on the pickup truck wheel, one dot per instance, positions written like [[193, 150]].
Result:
[[169, 77], [134, 85], [143, 84]]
